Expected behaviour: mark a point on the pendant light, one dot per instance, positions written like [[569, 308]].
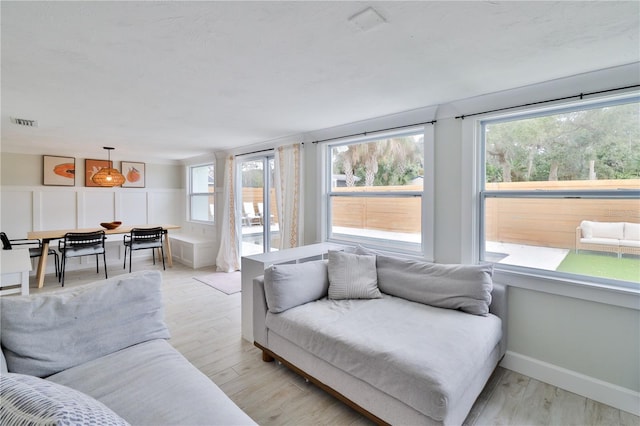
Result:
[[108, 176]]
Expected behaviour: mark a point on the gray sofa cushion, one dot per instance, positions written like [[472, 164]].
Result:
[[50, 332], [153, 384], [452, 286], [286, 286], [29, 400], [352, 276]]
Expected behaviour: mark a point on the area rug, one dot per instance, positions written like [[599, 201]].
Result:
[[228, 283]]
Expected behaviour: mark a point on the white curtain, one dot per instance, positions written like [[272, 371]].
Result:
[[228, 259], [288, 184]]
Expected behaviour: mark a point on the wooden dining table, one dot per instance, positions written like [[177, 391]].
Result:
[[47, 236]]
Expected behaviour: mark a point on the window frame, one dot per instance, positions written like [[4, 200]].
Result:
[[424, 249], [193, 194], [482, 194]]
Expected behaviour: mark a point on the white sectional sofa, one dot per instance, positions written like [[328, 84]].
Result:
[[402, 341], [98, 354], [613, 237]]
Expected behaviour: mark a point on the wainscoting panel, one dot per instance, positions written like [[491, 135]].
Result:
[[56, 210], [16, 213], [132, 208], [99, 206]]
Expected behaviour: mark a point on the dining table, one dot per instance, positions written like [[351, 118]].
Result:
[[48, 236]]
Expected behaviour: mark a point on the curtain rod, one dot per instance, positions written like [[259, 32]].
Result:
[[375, 131], [580, 96], [262, 150]]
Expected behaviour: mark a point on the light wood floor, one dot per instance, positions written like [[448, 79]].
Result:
[[205, 328]]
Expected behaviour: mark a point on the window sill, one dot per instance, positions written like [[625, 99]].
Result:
[[577, 289]]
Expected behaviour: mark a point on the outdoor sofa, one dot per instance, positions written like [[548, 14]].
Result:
[[612, 237], [402, 341], [98, 354]]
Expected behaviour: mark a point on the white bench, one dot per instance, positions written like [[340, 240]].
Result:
[[192, 250]]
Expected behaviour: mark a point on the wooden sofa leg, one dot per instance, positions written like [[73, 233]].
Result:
[[266, 357]]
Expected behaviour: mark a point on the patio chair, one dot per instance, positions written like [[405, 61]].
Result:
[[249, 216], [77, 244], [261, 213], [142, 239], [34, 246]]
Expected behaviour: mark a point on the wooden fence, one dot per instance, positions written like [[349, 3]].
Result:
[[541, 221]]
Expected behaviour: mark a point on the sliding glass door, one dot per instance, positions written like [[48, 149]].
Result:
[[260, 231]]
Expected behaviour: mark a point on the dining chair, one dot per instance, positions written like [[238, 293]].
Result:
[[141, 239], [76, 244], [34, 246]]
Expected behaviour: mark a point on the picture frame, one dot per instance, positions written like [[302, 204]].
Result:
[[91, 167], [58, 170], [134, 174]]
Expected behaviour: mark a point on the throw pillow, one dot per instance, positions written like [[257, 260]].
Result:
[[34, 401], [286, 286], [352, 276], [464, 287]]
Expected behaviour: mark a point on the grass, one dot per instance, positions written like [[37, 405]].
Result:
[[602, 265]]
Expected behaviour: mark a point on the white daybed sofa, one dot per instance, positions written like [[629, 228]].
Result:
[[415, 345], [612, 237]]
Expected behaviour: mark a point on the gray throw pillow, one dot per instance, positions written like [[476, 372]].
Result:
[[28, 400], [352, 276], [286, 286], [452, 286], [45, 333]]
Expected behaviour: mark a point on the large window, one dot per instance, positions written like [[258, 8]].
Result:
[[375, 191], [201, 193], [560, 191]]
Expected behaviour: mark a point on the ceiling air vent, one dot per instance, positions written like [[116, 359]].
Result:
[[24, 122]]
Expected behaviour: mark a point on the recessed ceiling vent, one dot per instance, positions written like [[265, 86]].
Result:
[[24, 122]]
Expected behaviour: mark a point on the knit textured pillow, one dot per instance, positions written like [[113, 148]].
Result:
[[352, 276], [34, 401]]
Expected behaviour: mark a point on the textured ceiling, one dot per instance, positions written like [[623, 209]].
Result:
[[172, 80]]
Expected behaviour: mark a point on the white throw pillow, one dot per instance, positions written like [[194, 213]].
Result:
[[34, 401], [352, 276], [287, 286], [587, 229]]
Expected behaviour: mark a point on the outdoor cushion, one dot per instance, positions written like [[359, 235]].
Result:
[[49, 332], [291, 285], [603, 241], [452, 286], [352, 276], [607, 230], [630, 243], [29, 400], [632, 231]]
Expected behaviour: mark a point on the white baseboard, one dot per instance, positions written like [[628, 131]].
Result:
[[572, 381]]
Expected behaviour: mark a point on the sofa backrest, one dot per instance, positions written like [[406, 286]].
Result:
[[45, 333], [613, 230], [631, 231]]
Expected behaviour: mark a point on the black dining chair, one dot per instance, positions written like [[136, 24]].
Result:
[[141, 239], [34, 246], [76, 244]]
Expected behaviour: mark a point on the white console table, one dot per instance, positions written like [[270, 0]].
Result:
[[15, 266], [254, 266]]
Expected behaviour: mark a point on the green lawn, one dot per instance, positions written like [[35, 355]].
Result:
[[602, 265]]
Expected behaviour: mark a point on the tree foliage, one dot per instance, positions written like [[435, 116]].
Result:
[[393, 161], [598, 143]]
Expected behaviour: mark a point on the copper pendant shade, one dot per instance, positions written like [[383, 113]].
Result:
[[108, 176]]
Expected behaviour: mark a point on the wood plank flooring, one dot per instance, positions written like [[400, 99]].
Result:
[[205, 328]]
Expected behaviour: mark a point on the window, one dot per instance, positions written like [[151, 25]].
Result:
[[201, 193], [548, 177], [375, 191]]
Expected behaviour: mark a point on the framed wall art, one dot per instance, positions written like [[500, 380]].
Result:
[[59, 171], [91, 167], [134, 174]]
